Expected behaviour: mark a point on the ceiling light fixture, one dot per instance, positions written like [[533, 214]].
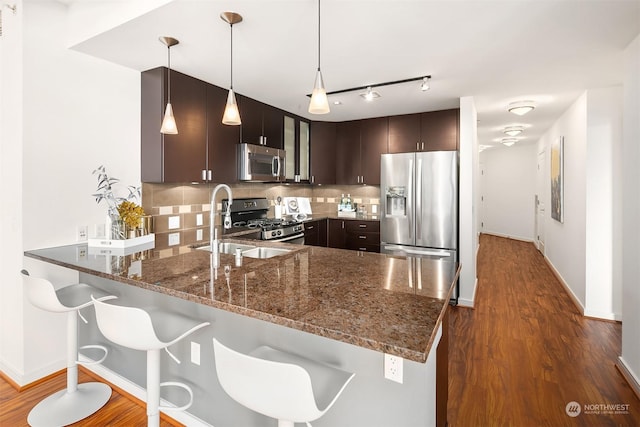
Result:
[[425, 86], [521, 107], [319, 104], [169, 122], [231, 114], [370, 95], [513, 130], [509, 141]]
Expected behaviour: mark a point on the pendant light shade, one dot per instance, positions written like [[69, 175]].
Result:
[[319, 103], [169, 122], [231, 114]]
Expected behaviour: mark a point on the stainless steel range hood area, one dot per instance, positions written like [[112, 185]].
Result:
[[258, 163]]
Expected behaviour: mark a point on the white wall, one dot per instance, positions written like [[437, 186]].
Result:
[[604, 138], [565, 242], [469, 196], [78, 113], [508, 191], [631, 213]]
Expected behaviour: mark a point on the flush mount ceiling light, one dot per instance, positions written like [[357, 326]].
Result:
[[513, 130], [521, 107], [426, 85], [370, 95], [231, 114], [509, 141], [169, 122], [319, 104]]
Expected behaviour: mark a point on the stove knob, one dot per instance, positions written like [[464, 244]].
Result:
[[273, 234], [279, 232]]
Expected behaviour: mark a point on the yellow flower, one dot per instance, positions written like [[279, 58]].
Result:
[[130, 214]]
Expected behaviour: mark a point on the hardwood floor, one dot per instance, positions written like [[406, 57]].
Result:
[[121, 410], [524, 352]]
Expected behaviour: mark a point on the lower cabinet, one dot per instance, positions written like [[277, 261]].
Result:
[[358, 235], [363, 235], [315, 233]]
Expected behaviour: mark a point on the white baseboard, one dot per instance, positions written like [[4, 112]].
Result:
[[628, 375], [22, 379], [573, 296], [602, 315], [464, 302], [139, 392]]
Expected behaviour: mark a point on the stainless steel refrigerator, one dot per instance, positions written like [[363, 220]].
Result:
[[419, 206]]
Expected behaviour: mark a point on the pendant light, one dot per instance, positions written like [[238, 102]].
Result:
[[319, 103], [231, 114], [169, 122]]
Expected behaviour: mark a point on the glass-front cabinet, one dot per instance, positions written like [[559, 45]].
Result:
[[296, 144]]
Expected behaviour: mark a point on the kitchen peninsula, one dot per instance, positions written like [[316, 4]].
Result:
[[339, 307]]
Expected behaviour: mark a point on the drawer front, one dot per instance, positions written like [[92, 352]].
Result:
[[362, 226], [363, 247], [363, 238]]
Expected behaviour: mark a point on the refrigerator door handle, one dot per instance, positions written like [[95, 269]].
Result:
[[410, 198], [419, 201], [416, 251]]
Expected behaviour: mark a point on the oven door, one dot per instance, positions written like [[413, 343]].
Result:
[[296, 239]]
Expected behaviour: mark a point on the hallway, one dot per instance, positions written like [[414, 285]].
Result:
[[524, 352]]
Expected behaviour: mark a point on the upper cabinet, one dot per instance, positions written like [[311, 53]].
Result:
[[323, 149], [296, 145], [173, 158], [262, 124], [360, 143], [432, 131]]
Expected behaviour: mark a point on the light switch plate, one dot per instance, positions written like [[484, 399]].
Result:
[[199, 219], [174, 222], [174, 239], [199, 234]]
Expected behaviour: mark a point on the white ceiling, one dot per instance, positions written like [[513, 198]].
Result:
[[496, 51]]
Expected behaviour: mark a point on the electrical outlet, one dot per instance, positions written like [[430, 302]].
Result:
[[195, 353], [82, 233], [199, 234], [199, 219], [393, 368]]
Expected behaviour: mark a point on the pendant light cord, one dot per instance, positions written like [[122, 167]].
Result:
[[169, 73], [231, 61], [318, 35]]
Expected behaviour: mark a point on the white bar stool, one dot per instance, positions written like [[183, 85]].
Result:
[[77, 401], [280, 385], [134, 328]]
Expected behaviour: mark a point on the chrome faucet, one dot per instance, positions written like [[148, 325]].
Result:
[[213, 233]]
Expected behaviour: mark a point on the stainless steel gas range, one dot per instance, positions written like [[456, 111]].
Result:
[[251, 213]]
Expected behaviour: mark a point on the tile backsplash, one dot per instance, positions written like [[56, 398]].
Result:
[[186, 207]]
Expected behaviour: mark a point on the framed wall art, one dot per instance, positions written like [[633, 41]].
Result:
[[557, 179]]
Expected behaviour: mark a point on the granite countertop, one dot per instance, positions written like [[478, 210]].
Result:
[[380, 302]]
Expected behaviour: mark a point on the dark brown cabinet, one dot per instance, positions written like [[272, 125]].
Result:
[[315, 233], [262, 124], [173, 158], [323, 153], [363, 235], [222, 140], [336, 233], [360, 143], [432, 131]]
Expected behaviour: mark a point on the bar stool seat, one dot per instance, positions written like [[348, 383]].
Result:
[[149, 330], [279, 385], [77, 401]]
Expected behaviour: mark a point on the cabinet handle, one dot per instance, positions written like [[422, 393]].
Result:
[[204, 174], [342, 224], [313, 179], [423, 146], [209, 175], [362, 237], [310, 227], [417, 146], [363, 249], [362, 225]]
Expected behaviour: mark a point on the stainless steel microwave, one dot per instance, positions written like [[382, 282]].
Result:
[[260, 163]]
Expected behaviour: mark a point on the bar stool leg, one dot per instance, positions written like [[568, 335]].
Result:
[[77, 401], [153, 388]]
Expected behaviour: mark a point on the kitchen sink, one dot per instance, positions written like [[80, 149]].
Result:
[[228, 247], [264, 252]]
